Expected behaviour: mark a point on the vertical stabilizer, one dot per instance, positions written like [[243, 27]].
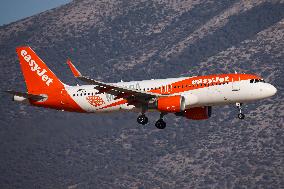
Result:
[[38, 77], [40, 80]]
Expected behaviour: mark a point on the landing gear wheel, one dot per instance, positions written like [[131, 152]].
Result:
[[241, 116], [161, 124], [142, 119]]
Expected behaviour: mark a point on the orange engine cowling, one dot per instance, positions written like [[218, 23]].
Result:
[[198, 113], [171, 104]]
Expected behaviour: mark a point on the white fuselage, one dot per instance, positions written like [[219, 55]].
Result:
[[211, 95]]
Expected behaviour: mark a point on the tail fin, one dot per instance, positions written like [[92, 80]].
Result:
[[38, 77], [44, 88]]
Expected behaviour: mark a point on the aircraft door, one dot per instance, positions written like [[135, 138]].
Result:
[[236, 84]]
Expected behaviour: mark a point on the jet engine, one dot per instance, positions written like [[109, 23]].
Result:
[[171, 104], [197, 113]]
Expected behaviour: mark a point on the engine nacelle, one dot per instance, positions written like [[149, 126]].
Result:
[[171, 104], [198, 113]]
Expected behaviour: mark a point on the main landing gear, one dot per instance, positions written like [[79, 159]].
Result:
[[160, 124], [240, 114], [142, 119]]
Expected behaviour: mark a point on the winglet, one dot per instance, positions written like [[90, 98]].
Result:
[[74, 70]]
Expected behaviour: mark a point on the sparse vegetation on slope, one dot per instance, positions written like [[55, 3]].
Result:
[[131, 40]]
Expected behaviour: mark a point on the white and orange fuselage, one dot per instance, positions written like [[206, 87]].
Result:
[[198, 91], [188, 96]]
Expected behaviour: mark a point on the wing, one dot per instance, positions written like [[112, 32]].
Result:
[[118, 91]]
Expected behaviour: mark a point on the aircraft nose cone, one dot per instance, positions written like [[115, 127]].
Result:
[[271, 90]]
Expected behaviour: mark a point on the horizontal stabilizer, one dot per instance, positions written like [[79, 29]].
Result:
[[26, 95]]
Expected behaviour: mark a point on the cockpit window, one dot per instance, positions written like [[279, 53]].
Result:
[[257, 80]]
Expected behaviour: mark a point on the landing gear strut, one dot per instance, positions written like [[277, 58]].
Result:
[[142, 119], [161, 124], [240, 114]]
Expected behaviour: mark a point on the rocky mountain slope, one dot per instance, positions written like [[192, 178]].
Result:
[[112, 40]]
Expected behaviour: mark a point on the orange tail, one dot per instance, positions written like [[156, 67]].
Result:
[[39, 79]]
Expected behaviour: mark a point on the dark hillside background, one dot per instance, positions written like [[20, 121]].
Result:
[[112, 40]]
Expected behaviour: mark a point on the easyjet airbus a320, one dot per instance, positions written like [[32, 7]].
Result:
[[190, 97]]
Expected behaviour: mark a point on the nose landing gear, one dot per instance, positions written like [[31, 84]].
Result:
[[240, 114]]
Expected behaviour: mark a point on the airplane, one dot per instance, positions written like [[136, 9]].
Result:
[[189, 97]]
